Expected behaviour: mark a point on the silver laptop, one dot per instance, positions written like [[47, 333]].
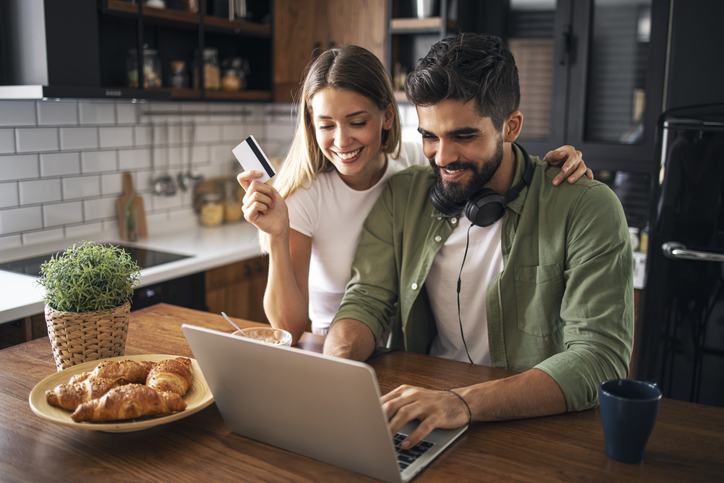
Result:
[[317, 406]]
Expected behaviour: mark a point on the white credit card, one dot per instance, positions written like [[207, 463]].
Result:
[[251, 157]]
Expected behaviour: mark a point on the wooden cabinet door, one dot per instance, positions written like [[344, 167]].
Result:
[[300, 29], [305, 28], [361, 22], [238, 289]]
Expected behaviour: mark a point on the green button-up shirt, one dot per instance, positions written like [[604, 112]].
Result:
[[563, 302]]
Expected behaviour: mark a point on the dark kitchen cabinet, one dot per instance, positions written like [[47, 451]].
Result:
[[305, 28], [411, 32], [592, 75], [87, 48]]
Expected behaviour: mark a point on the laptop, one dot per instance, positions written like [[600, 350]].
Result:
[[322, 407]]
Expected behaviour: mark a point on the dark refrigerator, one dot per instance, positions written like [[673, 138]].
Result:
[[680, 337]]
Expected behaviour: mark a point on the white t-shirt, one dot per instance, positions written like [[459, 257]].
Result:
[[483, 262], [332, 214]]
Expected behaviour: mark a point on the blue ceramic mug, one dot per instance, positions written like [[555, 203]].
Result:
[[628, 413]]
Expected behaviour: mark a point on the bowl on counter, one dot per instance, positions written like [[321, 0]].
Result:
[[268, 335]]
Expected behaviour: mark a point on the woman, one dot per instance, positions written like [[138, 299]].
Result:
[[346, 146]]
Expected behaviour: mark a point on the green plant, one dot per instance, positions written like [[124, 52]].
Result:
[[88, 278]]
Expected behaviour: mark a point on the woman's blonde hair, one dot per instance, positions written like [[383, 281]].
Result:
[[352, 68]]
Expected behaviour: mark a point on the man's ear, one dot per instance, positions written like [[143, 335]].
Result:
[[512, 126], [389, 117]]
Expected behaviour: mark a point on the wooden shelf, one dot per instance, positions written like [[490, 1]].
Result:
[[239, 27], [178, 18], [419, 25], [239, 95], [124, 7]]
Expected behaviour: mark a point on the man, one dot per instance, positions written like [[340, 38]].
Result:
[[547, 289]]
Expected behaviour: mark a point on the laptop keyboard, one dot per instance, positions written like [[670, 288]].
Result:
[[405, 457]]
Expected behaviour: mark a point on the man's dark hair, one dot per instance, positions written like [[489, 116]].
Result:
[[468, 67]]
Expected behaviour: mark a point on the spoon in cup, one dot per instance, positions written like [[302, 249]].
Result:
[[231, 321]]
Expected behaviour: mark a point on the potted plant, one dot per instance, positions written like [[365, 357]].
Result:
[[88, 290]]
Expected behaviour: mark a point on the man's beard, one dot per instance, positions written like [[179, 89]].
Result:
[[459, 191]]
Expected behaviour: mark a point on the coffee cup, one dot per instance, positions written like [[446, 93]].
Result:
[[628, 414]]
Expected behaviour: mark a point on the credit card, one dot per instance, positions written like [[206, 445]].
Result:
[[251, 157]]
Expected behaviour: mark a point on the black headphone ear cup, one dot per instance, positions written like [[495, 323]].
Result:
[[485, 208], [443, 204]]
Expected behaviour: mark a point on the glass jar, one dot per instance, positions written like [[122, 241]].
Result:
[[212, 73], [211, 209], [232, 202], [151, 68], [179, 79]]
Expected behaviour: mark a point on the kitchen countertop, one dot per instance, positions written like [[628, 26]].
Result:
[[21, 296]]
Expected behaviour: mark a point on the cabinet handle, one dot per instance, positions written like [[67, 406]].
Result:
[[332, 45], [567, 38], [679, 251], [317, 49]]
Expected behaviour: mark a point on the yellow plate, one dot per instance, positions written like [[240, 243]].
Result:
[[197, 398]]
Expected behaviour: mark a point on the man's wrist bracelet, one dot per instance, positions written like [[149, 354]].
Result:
[[470, 414]]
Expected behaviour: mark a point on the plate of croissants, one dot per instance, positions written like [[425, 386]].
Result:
[[122, 394]]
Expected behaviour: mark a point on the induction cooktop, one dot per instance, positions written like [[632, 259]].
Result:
[[143, 256]]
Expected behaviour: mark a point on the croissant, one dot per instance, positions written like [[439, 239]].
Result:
[[79, 377], [128, 402], [70, 396], [126, 372], [171, 375]]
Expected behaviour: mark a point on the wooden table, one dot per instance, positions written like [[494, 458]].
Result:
[[686, 445]]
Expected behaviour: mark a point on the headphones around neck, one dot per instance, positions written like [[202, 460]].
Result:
[[486, 206]]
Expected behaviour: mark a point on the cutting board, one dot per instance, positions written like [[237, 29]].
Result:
[[136, 210]]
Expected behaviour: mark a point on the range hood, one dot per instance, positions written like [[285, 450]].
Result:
[[50, 49]]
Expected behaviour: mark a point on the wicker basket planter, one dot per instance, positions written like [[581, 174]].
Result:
[[87, 336]]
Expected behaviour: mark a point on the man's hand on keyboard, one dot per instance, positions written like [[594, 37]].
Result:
[[434, 409]]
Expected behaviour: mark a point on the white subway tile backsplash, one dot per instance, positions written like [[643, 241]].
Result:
[[257, 130], [134, 159], [12, 241], [88, 231], [59, 164], [19, 167], [17, 113], [80, 149], [112, 184], [142, 135], [81, 187], [20, 219], [222, 155], [9, 194], [28, 140], [208, 134], [62, 214], [7, 141], [40, 191], [115, 137], [99, 209], [200, 155], [99, 161], [56, 113], [233, 132], [165, 202], [193, 107], [97, 112], [44, 236], [78, 138], [127, 113]]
